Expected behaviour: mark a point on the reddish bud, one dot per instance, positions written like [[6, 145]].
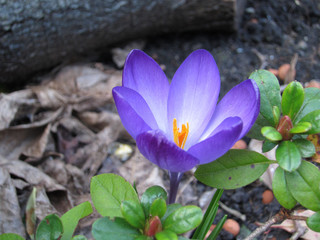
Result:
[[153, 226], [284, 126]]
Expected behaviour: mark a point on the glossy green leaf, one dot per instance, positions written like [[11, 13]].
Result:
[[280, 189], [268, 145], [301, 127], [150, 195], [133, 213], [106, 229], [288, 156], [276, 114], [292, 99], [269, 93], [255, 131], [271, 134], [166, 235], [314, 119], [144, 237], [311, 103], [313, 222], [183, 219], [71, 218], [158, 207], [79, 237], [235, 169], [50, 228], [304, 185], [10, 236], [108, 191], [306, 148], [170, 209]]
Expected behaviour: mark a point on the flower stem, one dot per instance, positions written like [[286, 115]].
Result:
[[175, 178]]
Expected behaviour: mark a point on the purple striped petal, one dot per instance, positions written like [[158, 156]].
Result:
[[193, 94], [156, 147], [242, 101], [133, 110], [219, 142], [142, 74]]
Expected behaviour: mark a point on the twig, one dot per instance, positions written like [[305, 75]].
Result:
[[233, 212], [275, 219], [300, 231], [262, 58]]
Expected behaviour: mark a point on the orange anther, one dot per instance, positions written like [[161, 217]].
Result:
[[180, 138]]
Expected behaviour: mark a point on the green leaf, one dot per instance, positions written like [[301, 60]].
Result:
[[105, 229], [108, 191], [166, 235], [306, 148], [50, 228], [292, 99], [301, 127], [269, 93], [311, 103], [281, 191], [144, 237], [170, 209], [288, 156], [235, 169], [133, 213], [150, 195], [183, 219], [10, 236], [271, 134], [255, 131], [304, 185], [276, 114], [313, 222], [314, 119], [158, 207], [71, 218], [79, 237], [268, 145]]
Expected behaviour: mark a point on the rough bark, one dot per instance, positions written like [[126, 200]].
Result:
[[40, 34]]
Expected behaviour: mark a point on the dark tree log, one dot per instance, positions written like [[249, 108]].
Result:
[[40, 34]]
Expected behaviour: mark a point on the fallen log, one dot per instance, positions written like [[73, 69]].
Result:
[[40, 34]]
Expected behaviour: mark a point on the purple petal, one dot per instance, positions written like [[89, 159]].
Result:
[[193, 94], [156, 147], [220, 141], [133, 110], [142, 74], [242, 101]]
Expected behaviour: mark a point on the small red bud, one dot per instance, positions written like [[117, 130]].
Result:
[[153, 226], [284, 126]]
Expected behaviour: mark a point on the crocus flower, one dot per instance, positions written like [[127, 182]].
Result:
[[180, 125]]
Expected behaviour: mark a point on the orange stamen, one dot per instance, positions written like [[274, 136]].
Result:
[[180, 138]]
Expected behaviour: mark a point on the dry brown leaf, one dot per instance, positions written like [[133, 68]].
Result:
[[30, 174], [10, 220], [48, 97], [315, 139]]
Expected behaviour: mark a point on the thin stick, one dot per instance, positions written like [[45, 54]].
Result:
[[275, 219], [233, 212]]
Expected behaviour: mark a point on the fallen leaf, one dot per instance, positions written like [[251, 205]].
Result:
[[10, 220]]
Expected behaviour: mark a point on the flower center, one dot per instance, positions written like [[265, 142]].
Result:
[[180, 137]]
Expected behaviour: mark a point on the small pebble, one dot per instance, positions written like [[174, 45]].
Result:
[[283, 71], [274, 71], [240, 145], [123, 152], [267, 197], [232, 227]]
